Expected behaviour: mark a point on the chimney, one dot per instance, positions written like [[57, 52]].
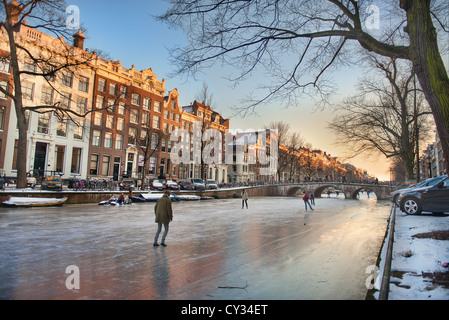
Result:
[[78, 40]]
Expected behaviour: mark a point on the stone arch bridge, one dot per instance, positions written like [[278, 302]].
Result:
[[350, 190]]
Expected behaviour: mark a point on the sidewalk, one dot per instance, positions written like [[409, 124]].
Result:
[[421, 242]]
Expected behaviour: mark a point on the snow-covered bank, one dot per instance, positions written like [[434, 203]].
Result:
[[416, 270]]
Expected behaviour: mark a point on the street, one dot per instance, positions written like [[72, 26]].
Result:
[[216, 250]]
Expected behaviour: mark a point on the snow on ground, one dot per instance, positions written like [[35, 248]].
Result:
[[416, 260]]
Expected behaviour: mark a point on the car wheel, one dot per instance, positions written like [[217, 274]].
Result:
[[411, 206]]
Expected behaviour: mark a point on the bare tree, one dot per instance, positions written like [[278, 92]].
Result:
[[388, 115], [150, 144], [205, 96], [299, 40]]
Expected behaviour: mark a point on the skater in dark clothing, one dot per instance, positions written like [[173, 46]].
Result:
[[244, 199], [312, 198]]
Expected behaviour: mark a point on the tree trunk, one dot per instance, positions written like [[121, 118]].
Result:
[[429, 66], [20, 112]]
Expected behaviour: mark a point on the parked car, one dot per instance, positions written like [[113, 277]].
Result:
[[211, 184], [127, 184], [172, 185], [198, 183], [158, 185], [52, 183], [186, 185], [433, 198], [394, 196]]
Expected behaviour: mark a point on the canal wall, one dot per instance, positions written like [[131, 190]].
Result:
[[82, 197]]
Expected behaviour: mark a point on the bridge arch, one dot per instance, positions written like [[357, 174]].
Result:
[[293, 191], [319, 190], [354, 192]]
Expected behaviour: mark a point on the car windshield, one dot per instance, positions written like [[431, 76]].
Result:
[[197, 180]]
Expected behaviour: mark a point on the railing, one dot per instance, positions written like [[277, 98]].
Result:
[[385, 286]]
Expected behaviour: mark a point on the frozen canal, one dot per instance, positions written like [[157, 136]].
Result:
[[275, 249]]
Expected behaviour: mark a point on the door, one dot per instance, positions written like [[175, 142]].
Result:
[[40, 158], [116, 170]]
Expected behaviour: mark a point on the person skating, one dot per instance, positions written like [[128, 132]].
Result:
[[164, 215], [312, 198], [306, 201], [244, 199]]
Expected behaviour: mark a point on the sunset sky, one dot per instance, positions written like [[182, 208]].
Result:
[[127, 31]]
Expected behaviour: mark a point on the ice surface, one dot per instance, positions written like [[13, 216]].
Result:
[[275, 249]]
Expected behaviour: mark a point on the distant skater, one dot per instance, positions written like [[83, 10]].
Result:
[[244, 199], [306, 201], [312, 198], [164, 215]]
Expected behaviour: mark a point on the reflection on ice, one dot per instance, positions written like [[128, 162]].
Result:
[[275, 247]]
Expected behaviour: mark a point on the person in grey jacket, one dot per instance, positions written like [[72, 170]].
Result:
[[164, 215]]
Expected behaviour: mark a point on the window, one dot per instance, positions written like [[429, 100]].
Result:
[[156, 122], [96, 139], [98, 119], [123, 91], [47, 96], [105, 165], [154, 140], [143, 138], [4, 86], [27, 90], [165, 127], [145, 119], [67, 78], [99, 102], [153, 164], [108, 140], [61, 130], [119, 142], [59, 155], [132, 136], [76, 161], [4, 66], [147, 103], [113, 89], [2, 118], [110, 121], [29, 65], [134, 116], [94, 164], [121, 108], [81, 105], [65, 100], [166, 114], [111, 105], [83, 84], [157, 106], [78, 131], [43, 123], [120, 124], [164, 145], [101, 85], [14, 158], [135, 99]]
